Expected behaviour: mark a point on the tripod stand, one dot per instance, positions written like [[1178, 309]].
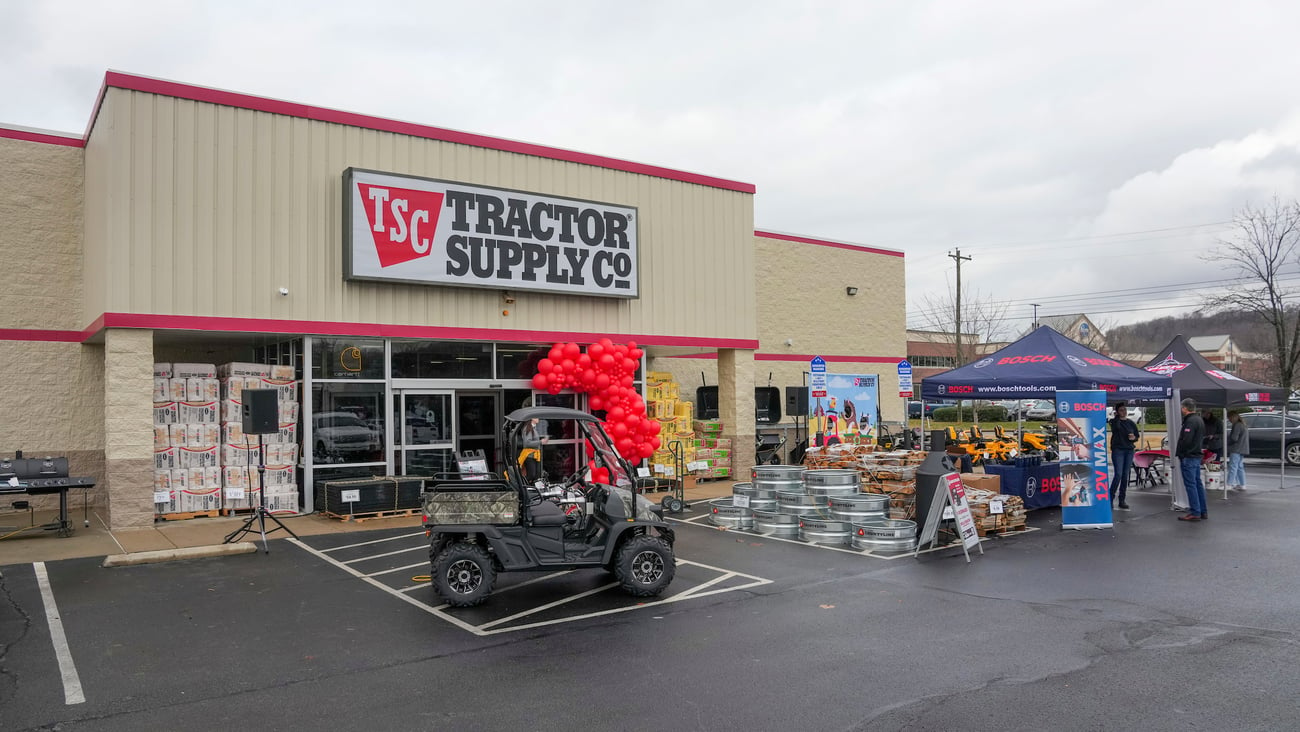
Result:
[[259, 514]]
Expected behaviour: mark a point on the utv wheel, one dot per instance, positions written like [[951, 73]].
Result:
[[645, 566], [463, 575]]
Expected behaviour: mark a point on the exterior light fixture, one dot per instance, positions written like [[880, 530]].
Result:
[[851, 291]]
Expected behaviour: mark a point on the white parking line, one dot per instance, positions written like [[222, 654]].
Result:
[[387, 554], [547, 606], [398, 569], [72, 693], [487, 629], [376, 541]]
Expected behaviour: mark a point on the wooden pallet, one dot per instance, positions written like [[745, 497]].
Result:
[[371, 516], [1002, 530], [186, 515]]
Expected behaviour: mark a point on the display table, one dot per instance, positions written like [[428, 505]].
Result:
[[1038, 485]]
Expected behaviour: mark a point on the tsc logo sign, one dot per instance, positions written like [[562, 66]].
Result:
[[406, 229], [402, 222]]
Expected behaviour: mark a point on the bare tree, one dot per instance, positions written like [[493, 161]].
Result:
[[1264, 242], [982, 319]]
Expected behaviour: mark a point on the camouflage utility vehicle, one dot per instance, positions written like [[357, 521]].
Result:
[[477, 528]]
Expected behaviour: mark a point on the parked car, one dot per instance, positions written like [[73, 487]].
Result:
[[337, 432], [1042, 409], [914, 408], [1266, 435], [1134, 413]]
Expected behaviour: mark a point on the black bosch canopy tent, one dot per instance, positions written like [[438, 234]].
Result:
[[1193, 376], [1039, 364]]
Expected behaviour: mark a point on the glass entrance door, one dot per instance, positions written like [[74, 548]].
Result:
[[424, 432], [478, 422]]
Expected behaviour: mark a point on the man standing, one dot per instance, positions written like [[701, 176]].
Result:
[[1190, 446], [1123, 440]]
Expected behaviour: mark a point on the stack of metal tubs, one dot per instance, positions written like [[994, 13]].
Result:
[[817, 506]]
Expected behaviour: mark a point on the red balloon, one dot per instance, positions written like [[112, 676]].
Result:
[[629, 365], [556, 353], [653, 429], [607, 362], [596, 404], [571, 350], [606, 343], [545, 365], [555, 388], [631, 345], [539, 381], [627, 382], [600, 475], [635, 353], [655, 442], [595, 350], [644, 450], [617, 414], [587, 377], [619, 430], [568, 366], [602, 382], [584, 361]]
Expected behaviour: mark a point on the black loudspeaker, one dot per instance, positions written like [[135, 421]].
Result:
[[796, 401], [261, 410]]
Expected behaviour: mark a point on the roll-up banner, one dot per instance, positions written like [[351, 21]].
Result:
[[1085, 466], [847, 412]]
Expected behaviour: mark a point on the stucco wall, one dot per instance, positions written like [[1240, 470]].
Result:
[[51, 391]]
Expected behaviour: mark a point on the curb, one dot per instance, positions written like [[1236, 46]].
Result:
[[170, 555]]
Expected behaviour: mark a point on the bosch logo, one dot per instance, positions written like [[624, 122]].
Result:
[[1031, 487], [1063, 407], [1089, 407], [1077, 361], [983, 362]]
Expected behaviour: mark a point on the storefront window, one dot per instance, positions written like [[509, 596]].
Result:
[[347, 358], [441, 360], [519, 360], [347, 423]]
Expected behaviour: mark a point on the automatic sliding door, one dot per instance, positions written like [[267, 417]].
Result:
[[425, 432]]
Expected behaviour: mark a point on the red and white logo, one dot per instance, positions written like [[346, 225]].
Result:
[[1167, 367], [402, 221]]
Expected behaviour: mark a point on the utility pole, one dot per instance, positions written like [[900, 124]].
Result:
[[1035, 305], [958, 258]]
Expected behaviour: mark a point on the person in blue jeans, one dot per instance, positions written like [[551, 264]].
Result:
[[1238, 448], [1190, 446], [1123, 440]]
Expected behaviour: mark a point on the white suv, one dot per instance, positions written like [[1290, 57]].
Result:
[[335, 432]]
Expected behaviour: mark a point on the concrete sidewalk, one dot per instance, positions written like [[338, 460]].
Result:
[[27, 546]]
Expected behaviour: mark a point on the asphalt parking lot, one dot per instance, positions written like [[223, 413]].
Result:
[[1156, 624]]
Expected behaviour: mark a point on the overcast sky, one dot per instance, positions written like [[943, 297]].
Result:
[[1073, 149]]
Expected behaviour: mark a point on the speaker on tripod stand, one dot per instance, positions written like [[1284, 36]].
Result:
[[260, 417]]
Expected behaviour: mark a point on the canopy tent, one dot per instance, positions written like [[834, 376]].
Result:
[[1197, 378], [1039, 364], [1193, 376]]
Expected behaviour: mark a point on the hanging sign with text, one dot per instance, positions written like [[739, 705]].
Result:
[[406, 229]]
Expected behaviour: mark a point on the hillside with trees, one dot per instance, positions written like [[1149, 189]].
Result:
[[1249, 331]]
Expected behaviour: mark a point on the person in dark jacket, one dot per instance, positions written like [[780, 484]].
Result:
[[1123, 441], [1238, 448], [1213, 433], [1191, 441]]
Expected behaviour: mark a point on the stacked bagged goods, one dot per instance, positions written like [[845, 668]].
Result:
[[673, 415], [712, 450], [890, 473], [240, 454], [186, 435]]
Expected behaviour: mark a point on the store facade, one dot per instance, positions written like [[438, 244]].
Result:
[[404, 272]]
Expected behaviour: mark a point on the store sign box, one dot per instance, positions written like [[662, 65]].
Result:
[[406, 229]]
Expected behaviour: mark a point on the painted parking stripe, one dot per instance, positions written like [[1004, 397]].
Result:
[[368, 543], [367, 558], [688, 594], [417, 565], [72, 693], [547, 606]]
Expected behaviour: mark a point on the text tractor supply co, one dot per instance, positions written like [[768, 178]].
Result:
[[490, 238]]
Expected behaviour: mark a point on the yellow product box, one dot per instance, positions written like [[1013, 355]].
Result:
[[659, 376], [685, 409], [653, 392], [682, 425], [670, 390]]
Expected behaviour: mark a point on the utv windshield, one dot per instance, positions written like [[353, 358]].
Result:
[[605, 456]]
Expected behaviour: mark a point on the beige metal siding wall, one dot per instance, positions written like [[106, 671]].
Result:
[[211, 209], [801, 296], [51, 392]]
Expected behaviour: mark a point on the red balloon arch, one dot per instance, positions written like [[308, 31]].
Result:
[[605, 372]]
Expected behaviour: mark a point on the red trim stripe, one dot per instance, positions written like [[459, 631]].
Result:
[[803, 358], [29, 334], [41, 137], [825, 243], [371, 330], [352, 119]]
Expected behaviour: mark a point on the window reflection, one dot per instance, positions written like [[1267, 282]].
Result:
[[347, 423], [441, 360]]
